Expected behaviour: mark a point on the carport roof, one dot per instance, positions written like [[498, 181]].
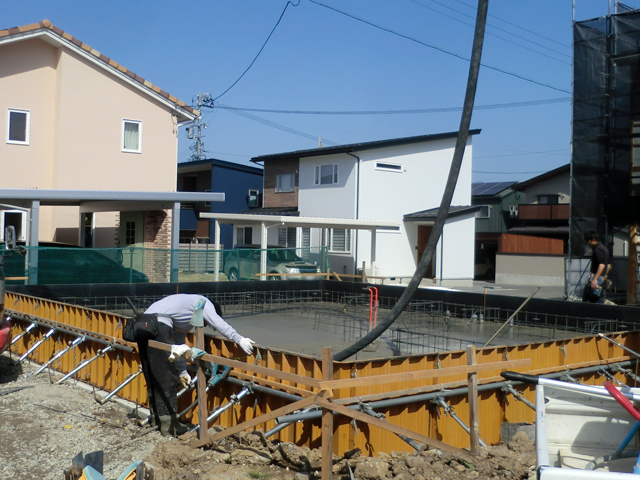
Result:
[[432, 213], [293, 221], [102, 200]]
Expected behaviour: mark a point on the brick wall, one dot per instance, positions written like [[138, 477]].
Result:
[[157, 235], [273, 168]]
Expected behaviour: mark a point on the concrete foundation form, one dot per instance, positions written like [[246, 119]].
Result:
[[426, 337]]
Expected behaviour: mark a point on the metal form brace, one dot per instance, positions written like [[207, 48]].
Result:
[[212, 382], [365, 408], [100, 354], [610, 377], [568, 378], [617, 368], [284, 425], [448, 410], [508, 389], [44, 338], [130, 378], [15, 339], [71, 345], [233, 400]]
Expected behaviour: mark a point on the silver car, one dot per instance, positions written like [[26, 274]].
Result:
[[244, 264]]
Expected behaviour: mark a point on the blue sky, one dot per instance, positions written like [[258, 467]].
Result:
[[318, 59]]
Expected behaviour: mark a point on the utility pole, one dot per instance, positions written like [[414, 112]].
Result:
[[194, 132]]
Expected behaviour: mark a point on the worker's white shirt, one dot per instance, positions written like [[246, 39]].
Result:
[[176, 311]]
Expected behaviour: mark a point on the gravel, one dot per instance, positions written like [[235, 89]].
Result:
[[43, 426]]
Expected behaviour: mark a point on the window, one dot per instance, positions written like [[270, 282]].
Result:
[[18, 126], [389, 167], [287, 237], [130, 233], [548, 199], [326, 174], [252, 199], [339, 240], [244, 236], [285, 182], [15, 219], [484, 212], [131, 136]]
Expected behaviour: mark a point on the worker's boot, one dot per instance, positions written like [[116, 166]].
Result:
[[171, 426]]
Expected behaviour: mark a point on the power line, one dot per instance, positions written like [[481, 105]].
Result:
[[261, 48], [276, 125], [508, 173], [396, 112], [438, 48], [522, 153], [497, 28], [517, 26]]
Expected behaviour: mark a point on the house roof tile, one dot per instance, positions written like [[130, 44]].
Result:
[[46, 24]]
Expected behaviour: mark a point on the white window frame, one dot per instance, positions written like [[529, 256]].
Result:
[[27, 133], [389, 167], [347, 240], [488, 215], [22, 236], [318, 174], [131, 150], [255, 194], [279, 188]]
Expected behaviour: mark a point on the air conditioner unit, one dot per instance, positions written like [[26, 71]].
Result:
[[513, 211]]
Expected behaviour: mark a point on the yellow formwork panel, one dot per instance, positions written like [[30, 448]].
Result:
[[494, 408]]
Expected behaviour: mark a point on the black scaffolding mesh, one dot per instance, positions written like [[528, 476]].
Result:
[[605, 196]]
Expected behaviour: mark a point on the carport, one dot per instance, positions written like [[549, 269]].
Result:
[[266, 221], [30, 201]]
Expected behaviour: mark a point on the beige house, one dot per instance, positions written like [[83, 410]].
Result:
[[73, 119]]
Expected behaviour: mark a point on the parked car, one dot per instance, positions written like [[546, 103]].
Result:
[[484, 268], [69, 264], [243, 263]]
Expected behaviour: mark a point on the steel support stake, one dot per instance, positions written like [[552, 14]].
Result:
[[126, 382], [15, 339], [73, 344], [85, 363], [448, 410], [233, 400], [46, 336]]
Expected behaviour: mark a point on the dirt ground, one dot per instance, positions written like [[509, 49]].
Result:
[[43, 426]]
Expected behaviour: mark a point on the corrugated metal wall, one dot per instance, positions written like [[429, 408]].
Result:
[[108, 372]]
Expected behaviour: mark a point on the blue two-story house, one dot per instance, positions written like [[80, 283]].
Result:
[[241, 184]]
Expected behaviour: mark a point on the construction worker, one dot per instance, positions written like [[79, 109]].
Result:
[[162, 374], [600, 267]]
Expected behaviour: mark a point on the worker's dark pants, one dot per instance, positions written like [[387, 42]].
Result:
[[160, 375]]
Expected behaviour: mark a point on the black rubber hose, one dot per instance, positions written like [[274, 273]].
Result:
[[461, 142]]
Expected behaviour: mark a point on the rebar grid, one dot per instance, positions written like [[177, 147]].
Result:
[[424, 326]]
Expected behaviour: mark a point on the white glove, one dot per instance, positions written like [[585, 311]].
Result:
[[185, 378], [246, 344], [178, 351]]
